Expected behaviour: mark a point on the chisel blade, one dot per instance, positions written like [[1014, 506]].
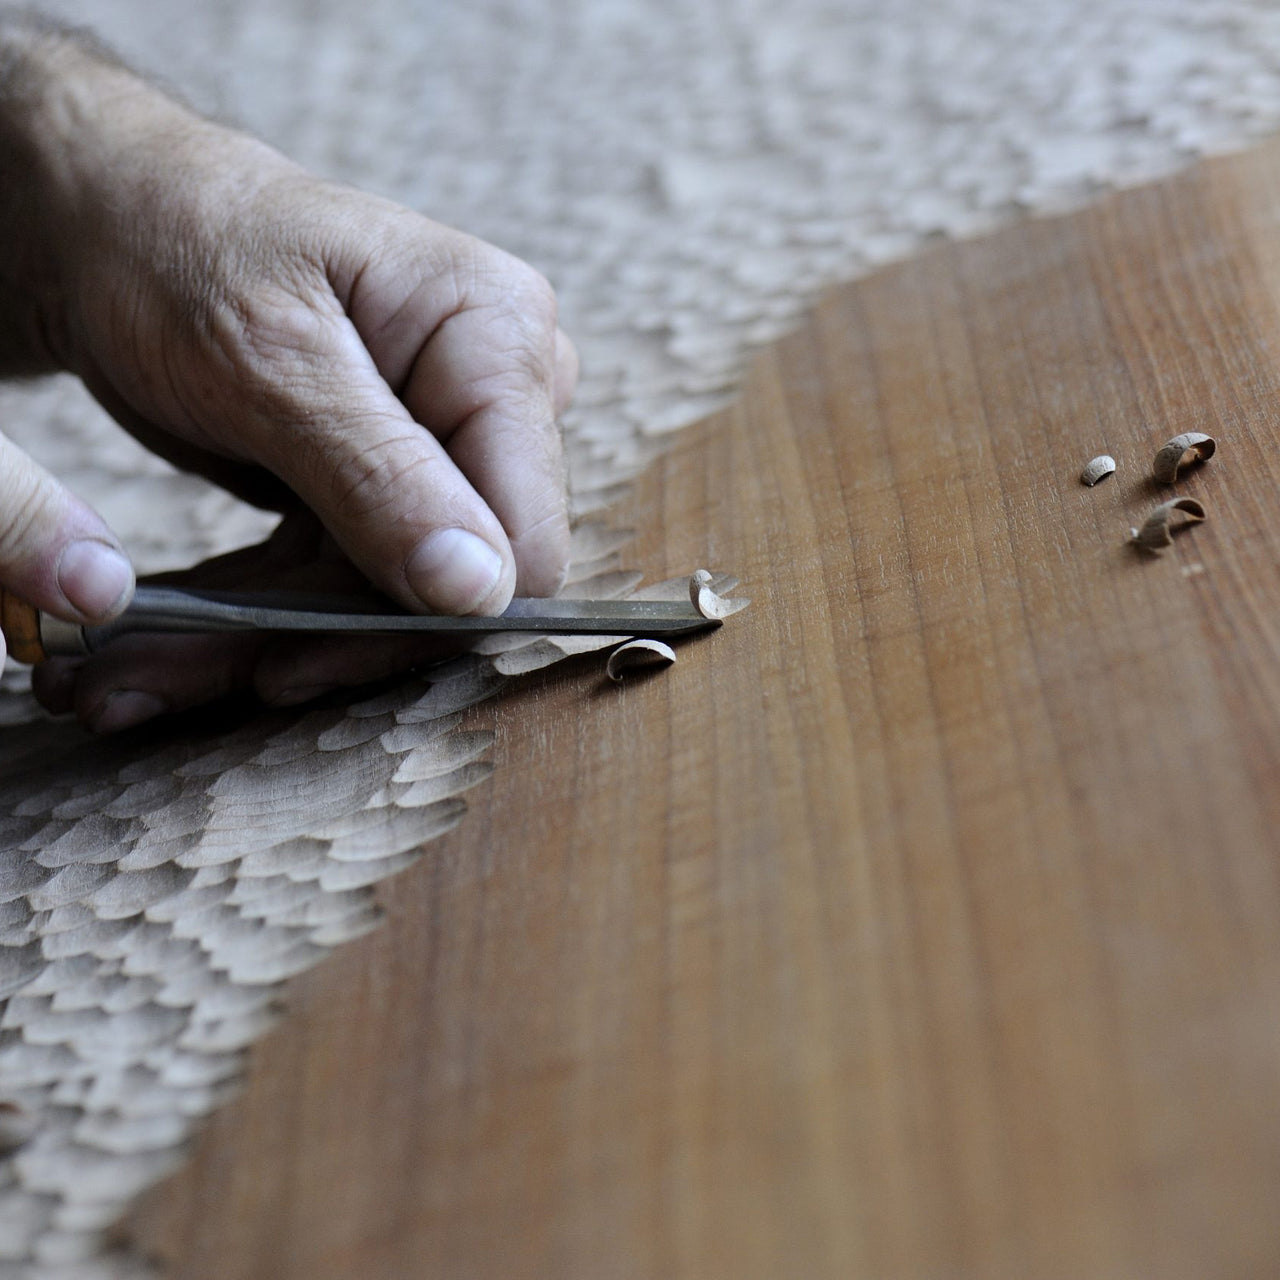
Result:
[[174, 610]]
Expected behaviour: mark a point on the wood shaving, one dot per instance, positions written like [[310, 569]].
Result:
[[705, 599], [637, 654], [1098, 469], [1190, 447], [1157, 530]]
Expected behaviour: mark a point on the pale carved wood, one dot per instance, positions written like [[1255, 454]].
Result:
[[925, 921], [157, 888]]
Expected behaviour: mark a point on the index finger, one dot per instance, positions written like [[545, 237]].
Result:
[[484, 392], [467, 337]]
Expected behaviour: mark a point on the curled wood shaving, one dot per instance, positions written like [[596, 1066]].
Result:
[[1189, 447], [1157, 530], [705, 599], [638, 653], [1097, 469]]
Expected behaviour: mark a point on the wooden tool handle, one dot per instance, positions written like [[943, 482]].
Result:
[[20, 623]]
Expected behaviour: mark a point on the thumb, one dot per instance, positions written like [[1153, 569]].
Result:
[[56, 552]]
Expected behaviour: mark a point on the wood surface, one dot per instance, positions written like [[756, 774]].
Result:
[[924, 921]]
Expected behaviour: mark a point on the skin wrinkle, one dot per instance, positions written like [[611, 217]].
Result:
[[502, 390], [549, 462], [526, 511], [404, 249], [271, 326], [379, 482], [264, 363], [554, 517], [21, 510], [396, 368], [504, 308]]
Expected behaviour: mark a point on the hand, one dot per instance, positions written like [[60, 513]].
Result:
[[139, 676], [299, 342]]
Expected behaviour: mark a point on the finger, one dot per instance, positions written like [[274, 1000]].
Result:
[[54, 684], [318, 413], [139, 677], [485, 385], [294, 671], [566, 371], [56, 552], [467, 336]]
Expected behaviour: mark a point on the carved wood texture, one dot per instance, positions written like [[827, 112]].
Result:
[[156, 892], [924, 922]]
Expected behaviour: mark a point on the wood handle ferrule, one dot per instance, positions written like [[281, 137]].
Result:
[[20, 623]]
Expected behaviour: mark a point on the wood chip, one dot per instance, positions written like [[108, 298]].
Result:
[[1157, 530], [705, 599], [1097, 469], [1183, 450], [638, 654]]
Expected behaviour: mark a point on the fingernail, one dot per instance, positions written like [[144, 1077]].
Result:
[[125, 708], [291, 697], [453, 571], [94, 576]]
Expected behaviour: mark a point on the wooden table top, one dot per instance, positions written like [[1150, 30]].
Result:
[[924, 921]]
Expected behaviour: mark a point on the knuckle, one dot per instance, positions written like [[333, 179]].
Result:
[[369, 484], [499, 279], [536, 299], [274, 366], [260, 331], [26, 500], [20, 521], [542, 545]]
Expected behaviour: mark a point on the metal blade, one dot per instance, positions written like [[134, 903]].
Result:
[[173, 610]]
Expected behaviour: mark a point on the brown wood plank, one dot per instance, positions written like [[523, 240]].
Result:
[[925, 921]]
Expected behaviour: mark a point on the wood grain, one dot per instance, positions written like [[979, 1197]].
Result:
[[925, 921]]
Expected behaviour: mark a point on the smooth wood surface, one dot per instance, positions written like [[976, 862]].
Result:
[[924, 922]]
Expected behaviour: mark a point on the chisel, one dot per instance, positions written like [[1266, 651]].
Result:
[[32, 635]]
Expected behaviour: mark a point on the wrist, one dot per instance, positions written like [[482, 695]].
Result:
[[73, 124], [38, 70]]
